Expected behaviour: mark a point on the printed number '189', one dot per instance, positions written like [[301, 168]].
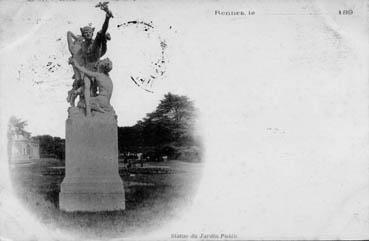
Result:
[[345, 12]]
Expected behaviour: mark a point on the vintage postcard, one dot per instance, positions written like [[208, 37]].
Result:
[[184, 120]]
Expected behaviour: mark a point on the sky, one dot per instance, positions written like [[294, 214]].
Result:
[[205, 54], [35, 60], [282, 97]]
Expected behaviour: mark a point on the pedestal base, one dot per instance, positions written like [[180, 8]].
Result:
[[91, 202], [92, 181]]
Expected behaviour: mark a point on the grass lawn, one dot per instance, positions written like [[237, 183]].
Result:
[[152, 198]]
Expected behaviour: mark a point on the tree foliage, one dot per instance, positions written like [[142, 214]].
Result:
[[166, 131], [130, 139], [16, 126], [51, 146]]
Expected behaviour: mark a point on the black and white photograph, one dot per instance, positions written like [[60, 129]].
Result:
[[184, 120]]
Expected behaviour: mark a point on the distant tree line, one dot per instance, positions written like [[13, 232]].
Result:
[[53, 147], [167, 131]]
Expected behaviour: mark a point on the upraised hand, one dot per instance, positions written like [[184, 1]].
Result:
[[109, 14], [104, 6]]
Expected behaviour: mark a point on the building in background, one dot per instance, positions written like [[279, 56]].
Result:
[[24, 148]]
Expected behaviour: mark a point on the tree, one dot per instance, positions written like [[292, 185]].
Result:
[[166, 131], [51, 146], [130, 139], [177, 114], [16, 126]]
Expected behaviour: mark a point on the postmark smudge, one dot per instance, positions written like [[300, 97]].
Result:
[[158, 67]]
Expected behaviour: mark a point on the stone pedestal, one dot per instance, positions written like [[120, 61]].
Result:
[[92, 181]]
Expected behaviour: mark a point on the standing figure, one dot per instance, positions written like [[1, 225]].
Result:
[[89, 53], [75, 48]]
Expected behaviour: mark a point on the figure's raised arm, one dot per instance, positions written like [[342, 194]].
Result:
[[71, 38], [105, 24], [99, 44], [109, 14]]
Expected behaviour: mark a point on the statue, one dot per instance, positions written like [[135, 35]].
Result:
[[92, 182], [86, 52]]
